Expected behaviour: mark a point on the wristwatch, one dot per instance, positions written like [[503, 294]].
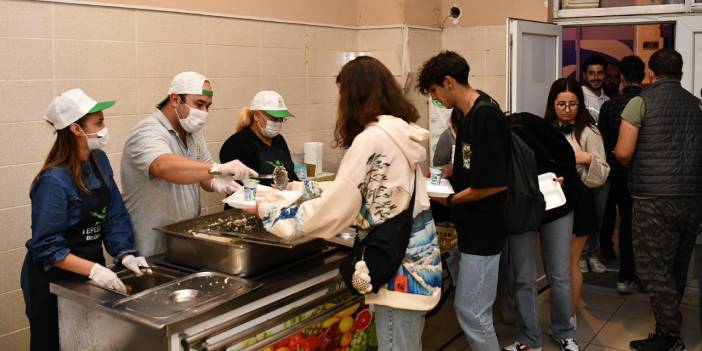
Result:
[[214, 170]]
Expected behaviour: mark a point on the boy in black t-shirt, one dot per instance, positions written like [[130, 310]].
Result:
[[480, 176]]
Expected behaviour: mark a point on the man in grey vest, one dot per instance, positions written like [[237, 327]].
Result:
[[661, 138]]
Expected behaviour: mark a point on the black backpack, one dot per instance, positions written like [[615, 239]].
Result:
[[524, 203]]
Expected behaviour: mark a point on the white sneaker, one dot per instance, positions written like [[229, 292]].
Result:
[[582, 263], [627, 287], [596, 265], [574, 321], [568, 344], [517, 346]]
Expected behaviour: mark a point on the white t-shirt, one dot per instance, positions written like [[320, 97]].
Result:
[[593, 103]]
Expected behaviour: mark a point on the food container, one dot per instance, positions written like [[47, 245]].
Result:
[[435, 175], [246, 249], [551, 189], [250, 186]]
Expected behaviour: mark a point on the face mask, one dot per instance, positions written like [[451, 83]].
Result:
[[103, 136], [194, 121], [272, 129]]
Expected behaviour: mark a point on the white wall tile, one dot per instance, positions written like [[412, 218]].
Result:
[[165, 27], [496, 37], [150, 92], [93, 23], [323, 90], [14, 182], [496, 62], [326, 63], [230, 31], [11, 263], [463, 38], [391, 59], [28, 19], [283, 35], [424, 40], [167, 60], [380, 39], [293, 90], [12, 311], [29, 100], [333, 38], [495, 87], [233, 93], [283, 62], [25, 59], [17, 227], [323, 116], [220, 124], [299, 123], [231, 61], [120, 127], [77, 59], [25, 142], [476, 60]]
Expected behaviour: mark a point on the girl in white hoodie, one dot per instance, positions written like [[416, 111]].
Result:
[[375, 182]]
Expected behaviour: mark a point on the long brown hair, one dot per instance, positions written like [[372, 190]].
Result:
[[367, 90], [64, 154], [583, 119]]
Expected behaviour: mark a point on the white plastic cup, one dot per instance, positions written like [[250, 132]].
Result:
[[435, 175], [250, 186]]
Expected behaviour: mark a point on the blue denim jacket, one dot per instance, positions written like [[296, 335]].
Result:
[[56, 206]]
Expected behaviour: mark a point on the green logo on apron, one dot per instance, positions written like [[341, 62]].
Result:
[[99, 216]]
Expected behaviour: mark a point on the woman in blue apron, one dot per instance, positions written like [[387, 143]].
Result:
[[76, 208]]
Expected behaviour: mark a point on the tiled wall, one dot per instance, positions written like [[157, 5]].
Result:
[[484, 47], [131, 55]]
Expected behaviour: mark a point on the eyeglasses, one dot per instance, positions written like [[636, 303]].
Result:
[[566, 106]]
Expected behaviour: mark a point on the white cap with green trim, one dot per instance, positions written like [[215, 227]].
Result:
[[188, 83], [271, 103], [71, 106]]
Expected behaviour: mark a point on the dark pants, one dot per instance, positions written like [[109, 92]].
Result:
[[664, 234], [619, 197]]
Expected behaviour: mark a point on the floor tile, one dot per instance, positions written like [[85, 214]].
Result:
[[620, 330], [595, 301], [590, 323], [633, 308]]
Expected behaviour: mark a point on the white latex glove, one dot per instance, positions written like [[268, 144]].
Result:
[[236, 169], [135, 264], [106, 278], [224, 184]]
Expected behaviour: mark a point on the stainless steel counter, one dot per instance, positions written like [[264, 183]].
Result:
[[94, 318]]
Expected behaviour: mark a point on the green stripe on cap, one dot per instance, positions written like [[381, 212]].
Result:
[[101, 106], [279, 113], [207, 92]]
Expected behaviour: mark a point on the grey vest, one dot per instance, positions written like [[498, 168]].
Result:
[[668, 156]]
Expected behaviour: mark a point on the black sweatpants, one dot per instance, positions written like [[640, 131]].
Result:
[[664, 234], [619, 197]]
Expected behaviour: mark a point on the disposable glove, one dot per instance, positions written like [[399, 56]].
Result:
[[234, 168], [224, 184], [106, 278], [135, 264]]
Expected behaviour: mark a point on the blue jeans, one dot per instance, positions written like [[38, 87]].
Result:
[[522, 250], [399, 329], [475, 293], [593, 239]]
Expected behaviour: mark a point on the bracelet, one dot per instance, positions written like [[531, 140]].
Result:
[[214, 170]]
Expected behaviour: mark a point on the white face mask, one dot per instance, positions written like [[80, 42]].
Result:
[[272, 129], [194, 121], [103, 137]]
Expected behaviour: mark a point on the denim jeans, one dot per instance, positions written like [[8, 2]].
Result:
[[399, 329], [523, 254], [593, 239], [475, 293]]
